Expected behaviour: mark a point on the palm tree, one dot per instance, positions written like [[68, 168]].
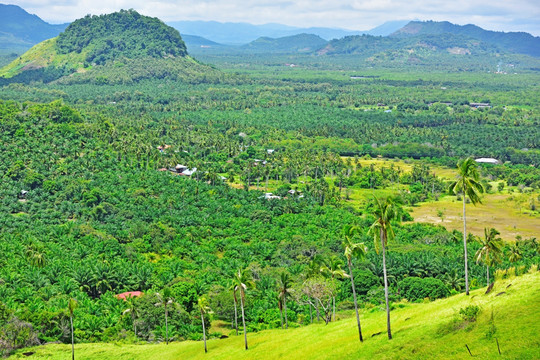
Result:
[[490, 250], [385, 212], [133, 310], [242, 281], [165, 300], [467, 183], [233, 289], [285, 282], [353, 250], [202, 304], [72, 305], [515, 252], [333, 269]]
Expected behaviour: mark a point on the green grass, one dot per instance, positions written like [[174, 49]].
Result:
[[421, 331]]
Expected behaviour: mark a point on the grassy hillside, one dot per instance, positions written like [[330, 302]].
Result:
[[421, 331]]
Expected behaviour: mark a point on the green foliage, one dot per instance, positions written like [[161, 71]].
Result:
[[415, 288], [469, 313]]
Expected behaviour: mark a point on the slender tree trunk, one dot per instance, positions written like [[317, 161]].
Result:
[[166, 327], [334, 307], [355, 302], [487, 268], [72, 339], [281, 317], [203, 333], [386, 287], [285, 309], [235, 317], [310, 314], [243, 318], [465, 246], [318, 313]]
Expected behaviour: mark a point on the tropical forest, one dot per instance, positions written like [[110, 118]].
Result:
[[367, 197]]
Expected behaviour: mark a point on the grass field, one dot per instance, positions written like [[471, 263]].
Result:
[[421, 331], [504, 212]]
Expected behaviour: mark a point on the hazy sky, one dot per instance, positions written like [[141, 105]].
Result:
[[500, 15]]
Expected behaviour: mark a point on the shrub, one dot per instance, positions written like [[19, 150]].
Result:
[[414, 288], [470, 313]]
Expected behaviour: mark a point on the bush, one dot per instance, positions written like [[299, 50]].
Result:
[[413, 288], [469, 313]]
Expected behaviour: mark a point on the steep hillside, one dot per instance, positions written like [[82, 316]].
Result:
[[437, 330], [301, 43], [122, 47], [19, 29], [518, 42]]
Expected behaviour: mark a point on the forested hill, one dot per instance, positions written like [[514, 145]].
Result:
[[289, 44], [119, 47], [518, 42], [19, 29]]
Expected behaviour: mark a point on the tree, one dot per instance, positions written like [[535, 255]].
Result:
[[515, 252], [165, 300], [233, 289], [72, 305], [133, 310], [242, 281], [332, 268], [202, 305], [490, 250], [384, 212], [467, 183], [285, 282], [353, 250]]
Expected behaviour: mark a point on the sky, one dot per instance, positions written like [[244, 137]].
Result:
[[498, 15]]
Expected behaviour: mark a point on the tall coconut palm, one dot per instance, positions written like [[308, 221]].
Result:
[[384, 212], [132, 310], [232, 287], [202, 305], [353, 250], [285, 282], [165, 299], [490, 250], [242, 282], [515, 252], [332, 269], [72, 305], [468, 184]]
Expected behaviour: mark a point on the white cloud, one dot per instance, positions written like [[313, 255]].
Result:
[[501, 15]]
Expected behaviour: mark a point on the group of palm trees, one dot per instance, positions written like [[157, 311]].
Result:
[[467, 184]]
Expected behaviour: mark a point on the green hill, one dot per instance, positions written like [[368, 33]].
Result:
[[115, 48], [302, 43], [507, 320], [516, 42]]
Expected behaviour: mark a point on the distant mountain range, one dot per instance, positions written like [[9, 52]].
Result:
[[512, 42], [19, 29]]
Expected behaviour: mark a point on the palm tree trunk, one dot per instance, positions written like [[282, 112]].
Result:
[[281, 317], [166, 327], [285, 309], [355, 301], [386, 287], [243, 318], [334, 307], [310, 314], [487, 268], [235, 317], [465, 246], [204, 333], [72, 339]]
